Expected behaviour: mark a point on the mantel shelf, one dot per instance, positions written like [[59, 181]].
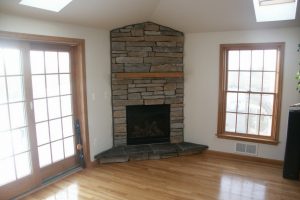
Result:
[[149, 75]]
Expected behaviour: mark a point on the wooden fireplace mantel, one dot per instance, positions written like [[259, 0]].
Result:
[[150, 75]]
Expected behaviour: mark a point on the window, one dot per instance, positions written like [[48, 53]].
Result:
[[250, 91]]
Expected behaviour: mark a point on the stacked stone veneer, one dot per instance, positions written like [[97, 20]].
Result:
[[146, 47]]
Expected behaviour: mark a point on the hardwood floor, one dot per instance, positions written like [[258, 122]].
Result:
[[193, 177]]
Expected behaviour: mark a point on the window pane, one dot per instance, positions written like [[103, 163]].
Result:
[[241, 124], [267, 104], [51, 62], [269, 82], [64, 63], [69, 146], [54, 107], [12, 61], [233, 60], [57, 151], [256, 81], [40, 110], [257, 59], [55, 129], [1, 63], [67, 126], [243, 103], [253, 124], [270, 59], [44, 155], [244, 81], [52, 85], [3, 95], [254, 105], [65, 87], [66, 105], [5, 145], [4, 118], [20, 140], [15, 88], [230, 122], [7, 171], [37, 62], [265, 125], [245, 60], [233, 81], [231, 102], [23, 164], [42, 133], [38, 86], [17, 115]]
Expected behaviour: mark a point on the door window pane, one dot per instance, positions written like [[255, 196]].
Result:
[[55, 129], [54, 107], [51, 62], [64, 63], [57, 151], [7, 171], [12, 62], [66, 105], [15, 88], [23, 164], [231, 102], [42, 133], [40, 110], [69, 146], [44, 155], [20, 140], [1, 63], [65, 87], [38, 86], [37, 62], [5, 145], [3, 95], [67, 126], [17, 115], [52, 85], [4, 118]]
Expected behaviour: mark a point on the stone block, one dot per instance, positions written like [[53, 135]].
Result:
[[119, 108], [138, 53], [140, 44], [137, 32], [176, 114], [176, 139], [129, 60], [120, 128], [153, 97], [174, 55], [114, 55], [159, 81], [119, 113], [120, 120], [119, 52], [164, 68], [116, 46], [152, 33], [134, 96], [166, 44], [160, 60], [151, 89], [147, 93], [119, 92], [155, 38], [119, 87], [154, 101], [180, 85], [120, 97], [173, 109], [151, 27], [164, 28], [137, 68], [131, 39], [143, 81], [117, 68], [174, 100], [168, 50], [126, 34], [139, 26], [134, 90], [179, 105], [176, 125], [125, 30], [179, 91], [169, 93], [149, 85], [171, 33], [118, 81], [139, 48], [127, 103], [170, 86], [158, 93]]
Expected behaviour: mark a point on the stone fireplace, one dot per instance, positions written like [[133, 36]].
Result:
[[147, 71]]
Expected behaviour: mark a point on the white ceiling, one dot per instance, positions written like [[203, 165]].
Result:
[[183, 15]]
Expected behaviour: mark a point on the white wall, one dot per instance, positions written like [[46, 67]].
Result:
[[202, 78], [97, 71]]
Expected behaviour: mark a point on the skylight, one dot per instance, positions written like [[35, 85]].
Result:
[[275, 10], [52, 5]]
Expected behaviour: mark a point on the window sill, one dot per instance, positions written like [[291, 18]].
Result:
[[256, 139]]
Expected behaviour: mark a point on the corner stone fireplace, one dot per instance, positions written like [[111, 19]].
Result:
[[146, 70]]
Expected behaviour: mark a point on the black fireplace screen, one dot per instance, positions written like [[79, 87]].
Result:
[[148, 124]]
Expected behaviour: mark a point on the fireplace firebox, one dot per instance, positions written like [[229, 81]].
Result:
[[148, 124]]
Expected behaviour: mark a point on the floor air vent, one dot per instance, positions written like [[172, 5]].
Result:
[[245, 148]]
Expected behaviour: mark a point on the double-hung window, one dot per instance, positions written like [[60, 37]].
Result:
[[250, 91]]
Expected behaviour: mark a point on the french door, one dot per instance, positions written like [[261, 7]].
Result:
[[36, 114]]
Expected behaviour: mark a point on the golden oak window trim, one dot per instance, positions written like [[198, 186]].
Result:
[[261, 112]]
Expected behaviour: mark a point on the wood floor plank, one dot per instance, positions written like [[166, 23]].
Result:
[[193, 177]]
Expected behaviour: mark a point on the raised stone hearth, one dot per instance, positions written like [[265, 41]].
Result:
[[148, 152]]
